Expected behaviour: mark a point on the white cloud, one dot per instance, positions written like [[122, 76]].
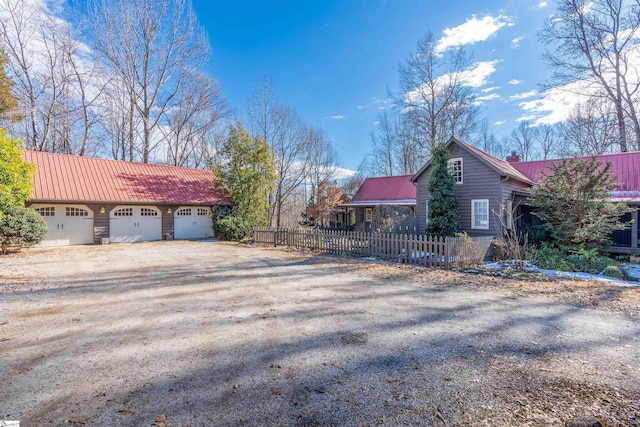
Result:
[[489, 89], [472, 31], [556, 104], [499, 122], [523, 95], [488, 97], [514, 82], [477, 76], [541, 5], [515, 43], [343, 172], [361, 106], [339, 117]]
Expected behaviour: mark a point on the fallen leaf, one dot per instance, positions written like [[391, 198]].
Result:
[[277, 391], [161, 421], [276, 365], [337, 365], [392, 380], [126, 411], [80, 419], [237, 386], [321, 390]]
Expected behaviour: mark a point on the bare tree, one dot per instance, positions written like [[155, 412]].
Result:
[[590, 130], [56, 84], [523, 139], [434, 95], [153, 47], [547, 141], [201, 106], [283, 129], [595, 43], [385, 146]]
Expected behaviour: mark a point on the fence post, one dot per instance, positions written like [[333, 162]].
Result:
[[446, 253]]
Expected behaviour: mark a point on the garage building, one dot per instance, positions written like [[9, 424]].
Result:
[[87, 200]]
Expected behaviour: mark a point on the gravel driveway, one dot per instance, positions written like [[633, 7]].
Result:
[[214, 334]]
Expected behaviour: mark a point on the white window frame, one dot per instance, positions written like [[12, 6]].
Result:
[[368, 214], [451, 166], [473, 214]]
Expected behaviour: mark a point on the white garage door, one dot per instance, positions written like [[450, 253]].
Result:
[[67, 224], [135, 224], [192, 223]]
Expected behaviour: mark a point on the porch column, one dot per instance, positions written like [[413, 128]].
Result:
[[634, 228]]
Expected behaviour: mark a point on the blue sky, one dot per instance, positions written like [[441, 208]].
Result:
[[333, 61]]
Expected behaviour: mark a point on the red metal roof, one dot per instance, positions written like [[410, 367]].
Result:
[[624, 166], [385, 190], [73, 178]]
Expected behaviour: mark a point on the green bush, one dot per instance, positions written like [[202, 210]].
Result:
[[234, 228], [551, 258], [617, 272], [21, 227], [588, 261]]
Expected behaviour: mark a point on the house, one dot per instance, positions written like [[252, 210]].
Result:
[[387, 191], [484, 183], [90, 201]]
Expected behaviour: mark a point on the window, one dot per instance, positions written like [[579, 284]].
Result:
[[148, 212], [46, 211], [480, 214], [183, 212], [368, 214], [339, 219], [203, 212], [69, 211], [455, 169], [124, 212]]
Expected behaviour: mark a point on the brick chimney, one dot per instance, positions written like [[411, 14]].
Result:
[[513, 158]]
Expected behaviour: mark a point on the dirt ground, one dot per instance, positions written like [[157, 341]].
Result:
[[214, 334]]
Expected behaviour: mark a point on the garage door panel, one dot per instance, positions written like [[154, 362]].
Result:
[[192, 223], [135, 224], [66, 224]]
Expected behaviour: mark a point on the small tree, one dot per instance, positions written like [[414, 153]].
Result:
[[573, 200], [247, 172], [443, 203], [15, 174], [20, 227], [327, 198]]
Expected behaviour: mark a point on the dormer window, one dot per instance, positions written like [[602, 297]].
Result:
[[455, 169]]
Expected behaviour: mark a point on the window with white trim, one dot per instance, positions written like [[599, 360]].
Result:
[[455, 169], [480, 214], [46, 211], [124, 212], [203, 212], [70, 211], [368, 214], [183, 212], [148, 212]]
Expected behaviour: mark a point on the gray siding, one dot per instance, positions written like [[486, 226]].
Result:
[[479, 182]]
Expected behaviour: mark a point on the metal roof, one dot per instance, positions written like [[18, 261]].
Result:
[[61, 177], [385, 190], [624, 166]]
